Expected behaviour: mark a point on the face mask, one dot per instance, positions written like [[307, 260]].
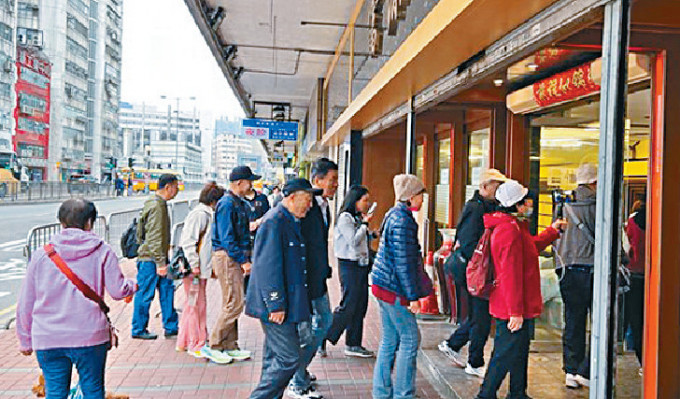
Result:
[[413, 209]]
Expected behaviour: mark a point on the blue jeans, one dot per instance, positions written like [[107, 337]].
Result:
[[399, 343], [279, 359], [148, 282], [57, 364], [321, 322]]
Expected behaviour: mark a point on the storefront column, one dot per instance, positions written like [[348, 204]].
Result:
[[411, 143], [517, 155], [356, 157], [608, 220], [458, 175], [497, 142]]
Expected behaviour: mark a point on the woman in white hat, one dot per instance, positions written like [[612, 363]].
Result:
[[516, 298], [399, 280]]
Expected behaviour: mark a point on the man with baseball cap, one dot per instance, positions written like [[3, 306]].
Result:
[[278, 293], [476, 327], [231, 261]]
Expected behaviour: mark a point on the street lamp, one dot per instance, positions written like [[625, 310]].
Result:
[[191, 98]]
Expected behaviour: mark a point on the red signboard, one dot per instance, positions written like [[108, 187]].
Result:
[[564, 86], [32, 112]]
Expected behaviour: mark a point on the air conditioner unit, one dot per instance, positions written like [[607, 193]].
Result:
[[8, 65]]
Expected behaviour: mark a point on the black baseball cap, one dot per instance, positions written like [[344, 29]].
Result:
[[300, 184], [243, 173]]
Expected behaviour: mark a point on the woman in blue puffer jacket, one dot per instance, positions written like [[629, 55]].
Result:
[[399, 280]]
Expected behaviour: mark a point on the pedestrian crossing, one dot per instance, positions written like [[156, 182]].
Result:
[[12, 269], [13, 246]]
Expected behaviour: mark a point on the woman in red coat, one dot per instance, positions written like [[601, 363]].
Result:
[[516, 300]]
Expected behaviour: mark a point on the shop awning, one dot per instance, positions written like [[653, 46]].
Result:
[[453, 32]]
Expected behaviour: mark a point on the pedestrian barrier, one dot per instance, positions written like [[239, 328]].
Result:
[[192, 204], [39, 191], [178, 211], [118, 222], [39, 236], [176, 235]]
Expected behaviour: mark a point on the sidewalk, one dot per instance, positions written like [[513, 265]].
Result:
[[152, 369]]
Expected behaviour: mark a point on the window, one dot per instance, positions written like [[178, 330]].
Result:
[[30, 76], [31, 151], [29, 125], [79, 6], [5, 32], [73, 23], [76, 70], [5, 90], [31, 105], [76, 49]]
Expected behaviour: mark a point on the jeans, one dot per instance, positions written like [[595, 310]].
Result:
[[349, 315], [280, 359], [399, 344], [321, 321], [576, 287], [474, 329], [510, 355], [57, 364], [634, 311], [148, 281]]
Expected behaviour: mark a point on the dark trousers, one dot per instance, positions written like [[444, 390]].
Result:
[[634, 311], [280, 359], [576, 287], [349, 315], [510, 355], [475, 329]]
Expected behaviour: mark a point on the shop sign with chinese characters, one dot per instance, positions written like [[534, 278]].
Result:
[[263, 129], [564, 86]]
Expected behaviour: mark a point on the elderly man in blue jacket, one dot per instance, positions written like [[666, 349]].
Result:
[[278, 294]]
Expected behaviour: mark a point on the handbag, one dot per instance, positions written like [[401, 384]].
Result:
[[179, 266], [85, 289]]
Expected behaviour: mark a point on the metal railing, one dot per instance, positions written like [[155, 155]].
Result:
[[39, 236], [37, 191], [176, 234], [178, 211], [118, 222]]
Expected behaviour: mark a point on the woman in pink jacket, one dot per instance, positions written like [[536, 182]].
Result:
[[55, 319]]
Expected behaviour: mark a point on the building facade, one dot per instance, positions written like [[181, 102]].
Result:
[[82, 40], [230, 149], [7, 72], [160, 138]]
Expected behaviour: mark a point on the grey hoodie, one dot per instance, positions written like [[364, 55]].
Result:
[[573, 247]]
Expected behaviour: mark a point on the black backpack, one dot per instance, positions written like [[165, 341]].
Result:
[[128, 241]]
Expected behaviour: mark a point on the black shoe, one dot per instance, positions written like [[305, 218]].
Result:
[[312, 377], [171, 334], [145, 335]]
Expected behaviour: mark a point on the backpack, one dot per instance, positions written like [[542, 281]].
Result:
[[128, 241], [480, 273]]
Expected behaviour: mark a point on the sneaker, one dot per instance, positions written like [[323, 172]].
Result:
[[322, 352], [145, 336], [358, 351], [571, 382], [454, 356], [582, 381], [475, 371], [238, 354], [309, 393], [171, 334], [216, 356], [197, 354]]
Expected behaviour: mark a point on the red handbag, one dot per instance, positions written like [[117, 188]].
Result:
[[85, 289]]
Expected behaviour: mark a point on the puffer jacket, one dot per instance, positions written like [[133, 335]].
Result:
[[398, 265], [514, 252], [574, 247]]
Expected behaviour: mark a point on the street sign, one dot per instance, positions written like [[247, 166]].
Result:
[[268, 129]]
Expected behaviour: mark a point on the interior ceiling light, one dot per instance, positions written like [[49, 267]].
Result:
[[532, 66], [498, 82]]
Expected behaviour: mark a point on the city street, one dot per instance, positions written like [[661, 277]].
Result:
[[17, 221]]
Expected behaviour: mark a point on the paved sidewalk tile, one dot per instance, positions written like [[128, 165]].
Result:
[[153, 369]]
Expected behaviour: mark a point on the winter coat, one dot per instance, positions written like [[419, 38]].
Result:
[[231, 228], [315, 232], [574, 247], [51, 311], [398, 266], [278, 278], [350, 240], [636, 238], [153, 233], [514, 252], [197, 227]]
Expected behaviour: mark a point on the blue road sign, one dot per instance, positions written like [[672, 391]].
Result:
[[268, 129]]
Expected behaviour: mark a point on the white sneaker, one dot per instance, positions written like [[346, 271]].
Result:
[[571, 382], [582, 381], [238, 354], [308, 393], [216, 356], [454, 356], [475, 371]]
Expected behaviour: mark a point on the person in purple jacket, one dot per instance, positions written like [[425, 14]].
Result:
[[55, 319]]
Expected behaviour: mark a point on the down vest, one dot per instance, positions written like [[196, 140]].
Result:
[[398, 265]]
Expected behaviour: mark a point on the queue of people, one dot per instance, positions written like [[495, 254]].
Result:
[[234, 234]]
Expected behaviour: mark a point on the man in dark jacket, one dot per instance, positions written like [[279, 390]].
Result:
[[231, 260], [278, 288], [259, 205], [475, 328], [575, 260], [315, 231]]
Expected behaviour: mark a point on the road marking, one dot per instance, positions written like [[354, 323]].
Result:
[[8, 309], [4, 293], [12, 243], [14, 269]]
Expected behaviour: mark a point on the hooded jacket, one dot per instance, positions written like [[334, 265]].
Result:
[[574, 247], [197, 228], [514, 252], [52, 312]]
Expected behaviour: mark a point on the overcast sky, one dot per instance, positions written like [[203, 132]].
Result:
[[165, 54]]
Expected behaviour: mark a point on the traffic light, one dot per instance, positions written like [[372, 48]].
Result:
[[131, 162]]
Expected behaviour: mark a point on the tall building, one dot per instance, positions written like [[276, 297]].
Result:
[[82, 40], [7, 71], [150, 138], [230, 149]]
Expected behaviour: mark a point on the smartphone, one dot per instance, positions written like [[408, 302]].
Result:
[[372, 208]]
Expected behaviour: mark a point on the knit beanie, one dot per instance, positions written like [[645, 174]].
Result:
[[407, 186]]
